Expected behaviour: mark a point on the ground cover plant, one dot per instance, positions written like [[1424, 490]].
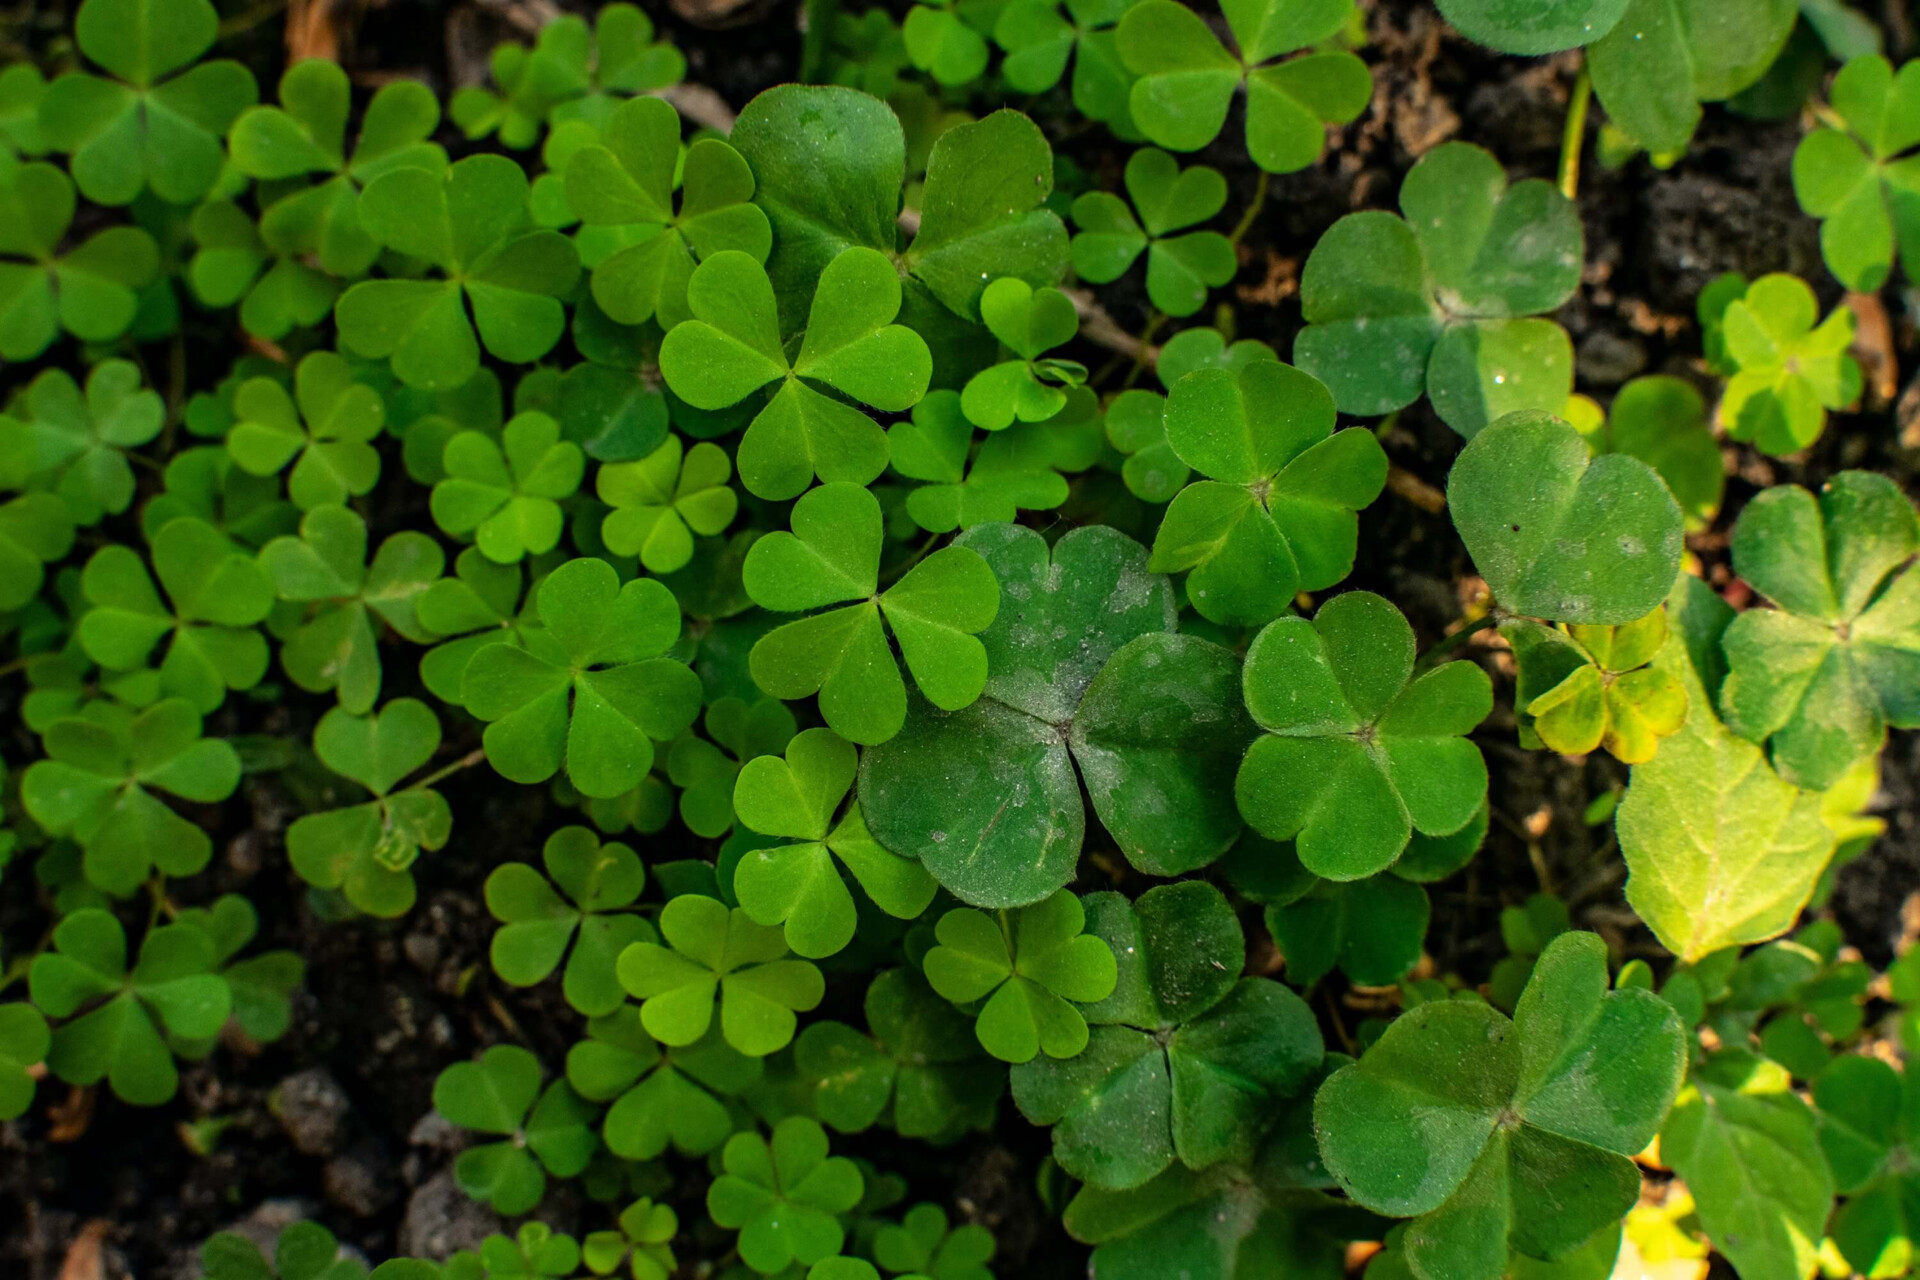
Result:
[[959, 638]]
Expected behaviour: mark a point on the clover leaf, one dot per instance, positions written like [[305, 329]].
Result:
[[942, 41], [1039, 42], [1858, 180], [1558, 533], [262, 985], [76, 445], [644, 1242], [1663, 58], [732, 348], [1084, 671], [1015, 469], [832, 557], [1278, 515], [1819, 678], [1180, 268], [1186, 1059], [570, 74], [1031, 387], [325, 429], [203, 484], [718, 954], [1515, 26], [128, 1014], [1662, 421], [277, 290], [1868, 1115], [662, 500], [1790, 371], [1447, 300], [24, 1033], [35, 530], [495, 275], [1485, 1131], [97, 785], [1357, 753], [590, 691], [628, 183], [304, 1251], [542, 1132], [1371, 929], [1187, 77], [507, 494], [1586, 687], [705, 771], [334, 645], [147, 128], [216, 595], [91, 291], [481, 605], [600, 882], [661, 1096], [1025, 967], [923, 1244], [533, 1251], [782, 1195]]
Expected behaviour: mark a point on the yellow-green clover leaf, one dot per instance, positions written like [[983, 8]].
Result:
[[660, 1095], [1791, 370], [1583, 687], [662, 500], [783, 1196], [1180, 268], [326, 428], [537, 925], [507, 493], [1861, 182]]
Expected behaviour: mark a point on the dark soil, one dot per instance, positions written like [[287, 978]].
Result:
[[335, 1121]]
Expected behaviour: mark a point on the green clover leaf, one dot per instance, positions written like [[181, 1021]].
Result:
[[1187, 77], [532, 1253], [1013, 470], [262, 985], [1582, 687], [495, 274], [661, 1096], [1448, 299], [304, 1251], [1662, 421], [1372, 929], [91, 291], [1868, 1118], [35, 529], [484, 603], [662, 500], [216, 595], [325, 428], [923, 1244], [799, 884], [1039, 42], [1028, 388], [942, 41], [1859, 182], [507, 493], [599, 883], [21, 89], [1485, 1131], [644, 1241], [1790, 371], [334, 645], [1516, 26], [1357, 754], [1663, 58], [277, 292], [732, 349], [591, 691], [1084, 671], [783, 1195], [76, 445], [832, 557], [118, 1019], [1278, 514], [147, 128], [1558, 533], [1180, 268], [203, 484], [1821, 676], [98, 785], [705, 770], [24, 1033], [1025, 967], [718, 954], [542, 1133]]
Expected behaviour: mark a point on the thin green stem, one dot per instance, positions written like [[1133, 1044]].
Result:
[[900, 570], [24, 661], [1575, 136], [466, 761], [1439, 651], [1253, 211], [1144, 358]]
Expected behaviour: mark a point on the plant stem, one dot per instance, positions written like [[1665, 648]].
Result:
[[1575, 136], [1433, 656], [1248, 218], [466, 761], [1147, 354], [24, 661]]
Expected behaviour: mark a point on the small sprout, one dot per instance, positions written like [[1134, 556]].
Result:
[[783, 1196], [921, 1243], [1017, 469], [1031, 387], [644, 1241], [542, 1133], [262, 985], [943, 41], [1791, 373], [507, 494], [532, 1253], [662, 500], [304, 1251], [600, 882], [1180, 268], [326, 429], [1858, 181]]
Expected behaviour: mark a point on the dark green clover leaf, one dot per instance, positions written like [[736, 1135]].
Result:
[[799, 884], [1085, 671], [262, 985], [628, 182], [1017, 469], [1186, 1059], [591, 691], [1820, 677], [644, 1242], [21, 89], [784, 1196], [203, 484], [76, 445], [532, 1253], [366, 849], [1180, 268], [1582, 687], [600, 882], [99, 781], [1495, 1134], [542, 1133], [1372, 929], [1662, 421], [335, 645], [569, 75], [1791, 371], [1663, 58], [470, 223], [35, 529], [732, 349], [305, 137], [91, 291], [304, 1251], [1031, 387], [1446, 301], [1187, 77], [922, 1060], [146, 128], [507, 493], [277, 291], [1869, 1128], [328, 424], [660, 1096], [122, 1035], [662, 500], [216, 595], [1521, 26], [1039, 42], [1861, 182], [720, 955], [1560, 534], [705, 770], [1025, 967], [923, 1244], [832, 557], [1278, 514], [23, 1032], [481, 605], [1357, 754]]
